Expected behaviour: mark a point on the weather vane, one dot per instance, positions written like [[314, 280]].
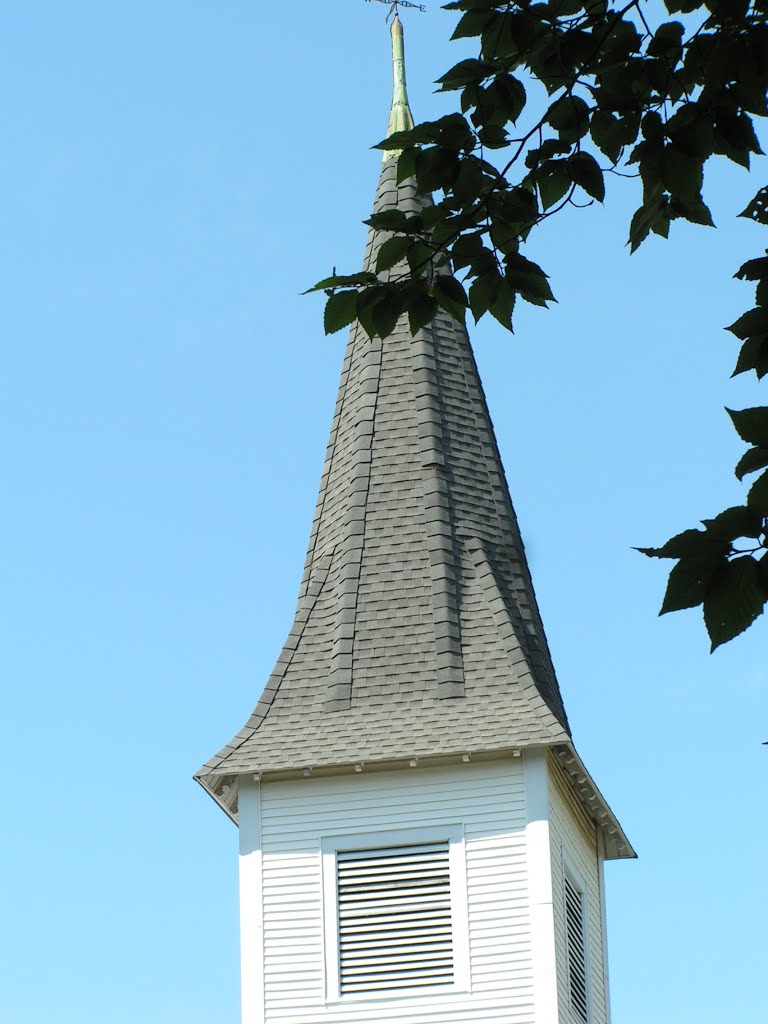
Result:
[[394, 4]]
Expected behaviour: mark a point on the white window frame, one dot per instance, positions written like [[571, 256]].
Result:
[[457, 868], [577, 881]]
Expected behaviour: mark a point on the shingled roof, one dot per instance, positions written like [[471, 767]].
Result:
[[417, 631]]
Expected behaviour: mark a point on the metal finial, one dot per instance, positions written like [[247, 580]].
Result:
[[400, 116]]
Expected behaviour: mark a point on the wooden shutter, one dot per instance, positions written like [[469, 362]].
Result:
[[394, 912], [577, 955]]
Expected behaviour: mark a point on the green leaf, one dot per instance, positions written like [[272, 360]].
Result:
[[506, 236], [464, 73], [751, 461], [450, 296], [569, 117], [470, 180], [342, 281], [758, 494], [386, 312], [517, 209], [528, 280], [493, 136], [406, 139], [667, 40], [467, 249], [753, 356], [506, 96], [366, 301], [419, 258], [736, 522], [553, 181], [681, 174], [406, 164], [692, 130], [695, 210], [388, 220], [683, 6], [392, 251], [690, 544], [751, 323], [421, 311], [735, 597], [751, 424], [503, 305], [585, 172], [472, 24], [607, 133], [469, 5], [499, 38], [652, 126], [436, 168], [757, 209], [432, 215], [453, 132], [688, 583], [548, 148], [735, 137], [642, 221], [484, 292], [340, 310]]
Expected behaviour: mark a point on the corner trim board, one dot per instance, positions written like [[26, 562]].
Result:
[[538, 847]]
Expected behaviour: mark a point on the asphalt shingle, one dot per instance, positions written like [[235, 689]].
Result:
[[417, 630]]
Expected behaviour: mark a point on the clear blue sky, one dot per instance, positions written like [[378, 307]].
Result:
[[172, 176]]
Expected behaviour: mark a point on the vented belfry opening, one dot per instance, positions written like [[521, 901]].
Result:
[[577, 953], [394, 918]]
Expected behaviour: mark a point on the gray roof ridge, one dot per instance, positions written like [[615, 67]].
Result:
[[509, 622]]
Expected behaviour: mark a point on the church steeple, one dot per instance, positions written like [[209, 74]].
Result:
[[417, 633], [418, 837]]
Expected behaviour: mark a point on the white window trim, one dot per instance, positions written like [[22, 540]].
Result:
[[577, 881], [457, 866]]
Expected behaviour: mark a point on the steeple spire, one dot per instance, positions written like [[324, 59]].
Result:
[[400, 116], [417, 634]]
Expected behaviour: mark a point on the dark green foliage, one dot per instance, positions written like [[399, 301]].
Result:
[[340, 311], [392, 251], [625, 93], [722, 568], [736, 596]]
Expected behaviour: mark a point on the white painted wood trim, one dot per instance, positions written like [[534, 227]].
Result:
[[329, 846], [537, 834], [251, 905], [601, 890]]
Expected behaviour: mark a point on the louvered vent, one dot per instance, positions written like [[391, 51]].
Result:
[[577, 959], [394, 918]]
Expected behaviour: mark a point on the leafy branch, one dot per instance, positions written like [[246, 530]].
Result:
[[557, 89]]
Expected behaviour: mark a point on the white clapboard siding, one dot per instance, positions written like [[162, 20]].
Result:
[[574, 843], [487, 801]]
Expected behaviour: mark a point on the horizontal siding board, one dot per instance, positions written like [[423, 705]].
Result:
[[362, 805], [393, 818], [498, 1009]]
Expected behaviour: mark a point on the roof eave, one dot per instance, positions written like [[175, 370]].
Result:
[[617, 845], [223, 790]]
